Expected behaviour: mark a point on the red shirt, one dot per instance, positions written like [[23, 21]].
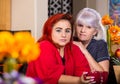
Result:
[[49, 66]]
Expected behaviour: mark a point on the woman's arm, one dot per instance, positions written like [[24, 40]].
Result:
[[101, 66], [66, 79]]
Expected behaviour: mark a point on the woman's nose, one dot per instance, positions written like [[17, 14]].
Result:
[[83, 29], [63, 34]]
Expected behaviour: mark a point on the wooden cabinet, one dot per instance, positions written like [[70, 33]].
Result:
[[5, 14], [117, 73]]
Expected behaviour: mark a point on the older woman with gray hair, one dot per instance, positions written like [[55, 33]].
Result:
[[90, 38]]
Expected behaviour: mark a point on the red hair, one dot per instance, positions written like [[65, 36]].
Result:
[[47, 28]]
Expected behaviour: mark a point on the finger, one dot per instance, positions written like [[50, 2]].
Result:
[[85, 73], [89, 77], [92, 81]]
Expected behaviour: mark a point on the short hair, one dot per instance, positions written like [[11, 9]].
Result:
[[92, 18]]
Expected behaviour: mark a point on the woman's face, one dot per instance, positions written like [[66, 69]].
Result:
[[61, 32], [85, 33]]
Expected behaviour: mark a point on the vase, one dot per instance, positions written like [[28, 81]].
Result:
[[10, 64]]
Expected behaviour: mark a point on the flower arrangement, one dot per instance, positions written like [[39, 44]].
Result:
[[19, 47], [113, 37]]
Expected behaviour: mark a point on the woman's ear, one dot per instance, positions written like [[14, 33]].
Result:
[[95, 33]]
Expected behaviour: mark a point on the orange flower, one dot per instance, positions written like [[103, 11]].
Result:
[[115, 39], [114, 29], [115, 34], [106, 20], [21, 46], [6, 43], [29, 53]]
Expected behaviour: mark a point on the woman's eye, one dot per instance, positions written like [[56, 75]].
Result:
[[89, 27], [58, 30], [68, 30], [80, 25]]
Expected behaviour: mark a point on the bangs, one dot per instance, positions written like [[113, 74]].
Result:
[[87, 18], [87, 21]]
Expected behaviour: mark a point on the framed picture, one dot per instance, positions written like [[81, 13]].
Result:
[[114, 10]]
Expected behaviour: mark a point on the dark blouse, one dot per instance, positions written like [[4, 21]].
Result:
[[63, 60], [98, 49]]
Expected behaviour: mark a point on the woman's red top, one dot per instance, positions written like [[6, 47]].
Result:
[[49, 66]]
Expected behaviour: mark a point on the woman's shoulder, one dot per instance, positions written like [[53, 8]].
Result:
[[46, 44], [75, 48], [98, 42], [71, 46]]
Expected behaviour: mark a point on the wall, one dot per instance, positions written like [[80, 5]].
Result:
[[23, 15], [41, 15], [99, 5], [78, 5], [29, 15], [102, 6], [92, 4]]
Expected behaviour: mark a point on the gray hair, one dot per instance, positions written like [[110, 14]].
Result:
[[91, 17]]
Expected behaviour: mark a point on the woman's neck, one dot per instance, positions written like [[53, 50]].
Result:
[[61, 51], [85, 43]]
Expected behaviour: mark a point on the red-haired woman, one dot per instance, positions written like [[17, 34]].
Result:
[[60, 61]]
